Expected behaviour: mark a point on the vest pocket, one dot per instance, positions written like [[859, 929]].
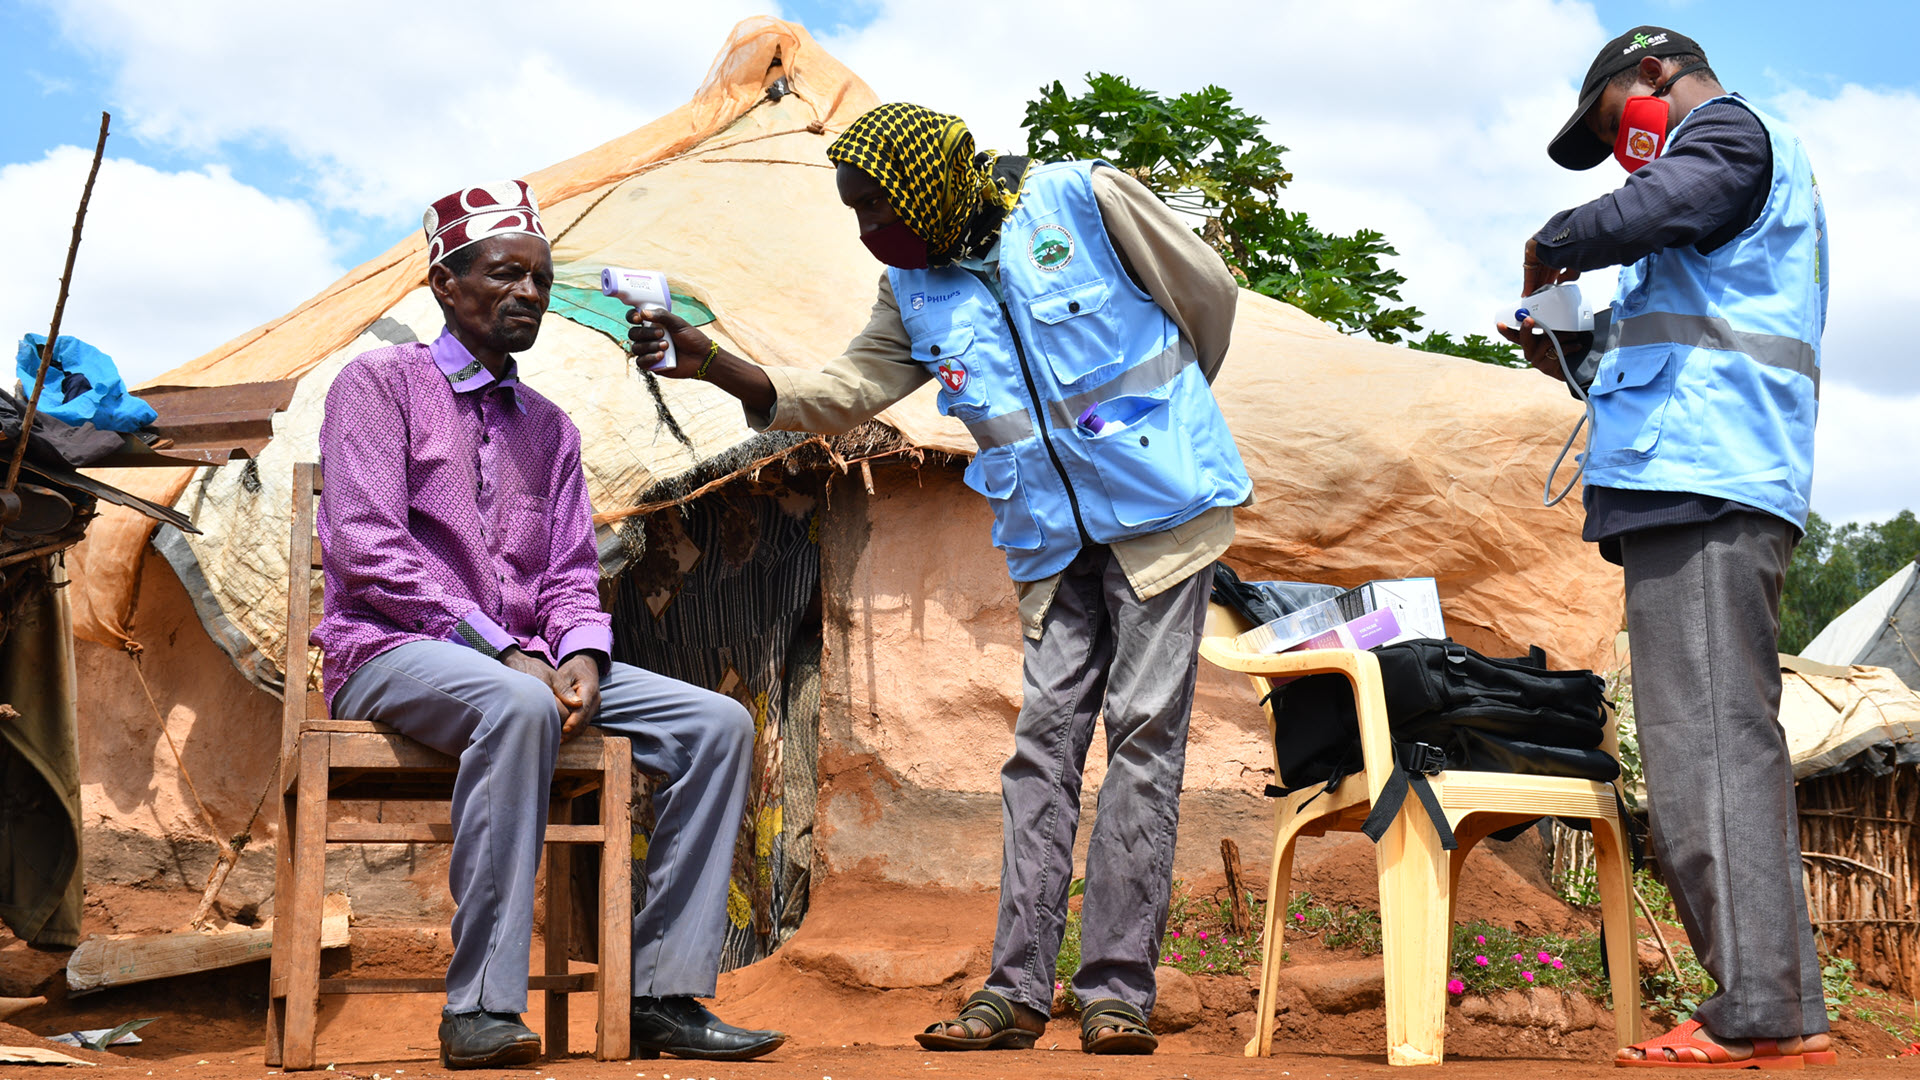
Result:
[[944, 352], [993, 473], [1147, 468], [1630, 393], [1076, 332]]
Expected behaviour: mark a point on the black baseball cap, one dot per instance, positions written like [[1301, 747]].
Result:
[[1575, 147]]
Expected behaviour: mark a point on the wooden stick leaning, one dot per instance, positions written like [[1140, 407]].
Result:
[[59, 310], [1672, 964]]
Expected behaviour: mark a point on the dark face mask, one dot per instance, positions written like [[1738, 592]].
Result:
[[897, 246]]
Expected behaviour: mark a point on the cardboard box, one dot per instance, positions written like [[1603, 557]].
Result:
[[1414, 602], [1371, 630]]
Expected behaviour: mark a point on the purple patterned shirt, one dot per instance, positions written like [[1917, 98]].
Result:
[[455, 510]]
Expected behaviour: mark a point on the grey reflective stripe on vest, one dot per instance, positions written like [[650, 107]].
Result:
[[1003, 430], [1009, 428], [1711, 332], [1150, 374]]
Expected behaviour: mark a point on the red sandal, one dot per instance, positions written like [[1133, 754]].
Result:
[[1766, 1053]]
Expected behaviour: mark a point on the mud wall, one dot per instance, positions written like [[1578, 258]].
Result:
[[147, 849], [921, 685]]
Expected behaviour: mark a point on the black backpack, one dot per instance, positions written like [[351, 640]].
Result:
[[1448, 708]]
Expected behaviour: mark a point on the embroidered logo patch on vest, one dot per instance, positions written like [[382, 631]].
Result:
[[1052, 247], [953, 374], [1642, 144]]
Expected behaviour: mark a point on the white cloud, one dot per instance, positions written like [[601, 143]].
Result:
[[1391, 124], [170, 264], [1864, 453], [1861, 142], [392, 105]]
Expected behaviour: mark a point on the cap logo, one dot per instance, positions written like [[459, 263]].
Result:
[[1642, 41], [1642, 144]]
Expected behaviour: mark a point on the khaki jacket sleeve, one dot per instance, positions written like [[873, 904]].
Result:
[[1177, 268], [876, 370]]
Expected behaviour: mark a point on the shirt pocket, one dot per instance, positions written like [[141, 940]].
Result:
[[947, 351], [1630, 396], [1076, 331], [527, 543]]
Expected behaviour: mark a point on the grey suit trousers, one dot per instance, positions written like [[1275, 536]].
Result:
[[1102, 651], [504, 726], [1703, 606]]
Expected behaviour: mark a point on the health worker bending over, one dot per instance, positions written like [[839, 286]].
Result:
[[1074, 323], [1705, 379]]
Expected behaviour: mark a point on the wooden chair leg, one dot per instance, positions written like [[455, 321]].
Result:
[[1413, 872], [614, 981], [1456, 862], [1286, 830], [302, 962], [559, 925], [277, 961], [1614, 868]]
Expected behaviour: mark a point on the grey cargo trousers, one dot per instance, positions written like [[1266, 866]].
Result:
[[1102, 650], [504, 726], [1703, 616]]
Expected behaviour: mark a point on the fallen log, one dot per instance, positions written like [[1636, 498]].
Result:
[[102, 962]]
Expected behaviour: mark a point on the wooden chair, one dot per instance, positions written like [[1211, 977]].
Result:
[[324, 760], [1416, 875]]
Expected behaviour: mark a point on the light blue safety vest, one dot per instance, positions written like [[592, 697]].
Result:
[[1710, 379], [1074, 332]]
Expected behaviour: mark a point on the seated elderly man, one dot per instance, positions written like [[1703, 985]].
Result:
[[461, 609]]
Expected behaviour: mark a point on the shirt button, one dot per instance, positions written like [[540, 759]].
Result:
[[1073, 305], [935, 350], [485, 437]]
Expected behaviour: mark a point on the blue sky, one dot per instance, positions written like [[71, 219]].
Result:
[[289, 144]]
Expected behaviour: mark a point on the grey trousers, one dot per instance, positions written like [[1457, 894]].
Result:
[[1703, 605], [504, 727], [1103, 650]]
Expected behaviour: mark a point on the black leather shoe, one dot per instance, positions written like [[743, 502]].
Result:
[[484, 1040], [683, 1027]]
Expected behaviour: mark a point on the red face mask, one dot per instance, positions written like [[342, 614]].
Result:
[[897, 246], [1643, 124], [1643, 132]]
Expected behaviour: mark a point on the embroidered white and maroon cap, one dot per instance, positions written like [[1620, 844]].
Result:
[[471, 215]]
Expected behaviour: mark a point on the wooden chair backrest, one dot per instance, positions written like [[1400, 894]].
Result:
[[303, 558]]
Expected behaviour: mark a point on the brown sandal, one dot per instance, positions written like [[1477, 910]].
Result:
[[1126, 1030], [991, 1010]]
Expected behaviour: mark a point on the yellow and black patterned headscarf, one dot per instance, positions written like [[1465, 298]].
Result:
[[950, 196]]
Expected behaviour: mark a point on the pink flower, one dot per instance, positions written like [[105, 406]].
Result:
[[1518, 959], [1203, 935], [1479, 939], [1455, 986], [1544, 957], [1299, 917], [1480, 960], [1203, 952], [1557, 963], [1209, 967], [1527, 975], [1176, 933], [1057, 986]]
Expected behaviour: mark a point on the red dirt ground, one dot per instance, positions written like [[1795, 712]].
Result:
[[828, 988]]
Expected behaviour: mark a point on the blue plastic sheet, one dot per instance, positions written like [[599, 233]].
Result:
[[83, 386]]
